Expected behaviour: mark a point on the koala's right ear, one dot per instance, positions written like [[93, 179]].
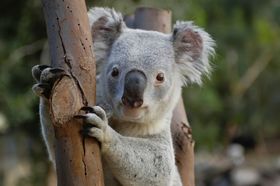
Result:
[[106, 26], [193, 48]]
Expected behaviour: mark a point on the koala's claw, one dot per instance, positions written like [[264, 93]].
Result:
[[96, 123], [37, 71], [93, 119], [94, 132], [96, 110], [57, 70], [87, 109], [80, 116], [45, 77], [50, 75], [42, 89]]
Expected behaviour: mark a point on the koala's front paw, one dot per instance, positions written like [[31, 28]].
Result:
[[96, 124], [45, 77]]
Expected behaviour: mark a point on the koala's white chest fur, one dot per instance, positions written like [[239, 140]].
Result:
[[130, 130], [155, 134], [140, 129]]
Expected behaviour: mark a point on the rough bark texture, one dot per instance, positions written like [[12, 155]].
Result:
[[160, 20], [183, 144], [78, 160]]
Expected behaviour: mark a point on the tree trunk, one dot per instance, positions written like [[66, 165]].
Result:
[[160, 20], [78, 160]]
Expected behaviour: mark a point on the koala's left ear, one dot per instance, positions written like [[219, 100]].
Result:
[[193, 47], [106, 26]]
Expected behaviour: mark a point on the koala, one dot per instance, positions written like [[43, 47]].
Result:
[[140, 75]]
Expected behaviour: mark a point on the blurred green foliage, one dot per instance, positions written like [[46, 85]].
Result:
[[243, 91]]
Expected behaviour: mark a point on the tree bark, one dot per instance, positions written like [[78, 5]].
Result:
[[78, 160], [160, 20], [183, 144]]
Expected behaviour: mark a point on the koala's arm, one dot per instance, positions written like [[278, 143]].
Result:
[[134, 160], [142, 161], [47, 128], [45, 77]]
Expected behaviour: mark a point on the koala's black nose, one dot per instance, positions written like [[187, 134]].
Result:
[[134, 86]]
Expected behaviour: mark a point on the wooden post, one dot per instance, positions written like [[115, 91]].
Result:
[[78, 160], [160, 20]]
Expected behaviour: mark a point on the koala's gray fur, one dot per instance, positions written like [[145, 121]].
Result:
[[135, 135]]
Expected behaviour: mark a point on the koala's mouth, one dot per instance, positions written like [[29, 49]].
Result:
[[133, 113]]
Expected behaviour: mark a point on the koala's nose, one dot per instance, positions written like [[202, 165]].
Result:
[[134, 86]]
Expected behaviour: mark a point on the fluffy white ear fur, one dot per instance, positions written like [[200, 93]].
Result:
[[98, 12], [193, 47], [106, 25]]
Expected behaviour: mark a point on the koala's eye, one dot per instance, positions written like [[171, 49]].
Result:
[[115, 72], [160, 77]]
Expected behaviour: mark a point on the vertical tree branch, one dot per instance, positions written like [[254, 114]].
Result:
[[160, 20], [183, 144], [78, 160]]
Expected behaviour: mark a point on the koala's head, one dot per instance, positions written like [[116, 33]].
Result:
[[140, 73]]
